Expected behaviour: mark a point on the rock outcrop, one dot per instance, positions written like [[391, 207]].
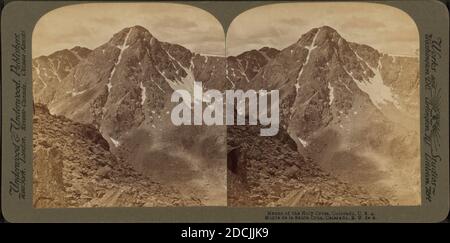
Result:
[[73, 167]]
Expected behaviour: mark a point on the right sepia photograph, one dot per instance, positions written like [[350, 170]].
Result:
[[348, 81]]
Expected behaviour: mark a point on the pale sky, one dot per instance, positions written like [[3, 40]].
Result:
[[385, 28], [93, 24]]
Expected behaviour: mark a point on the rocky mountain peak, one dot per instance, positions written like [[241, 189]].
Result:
[[81, 52], [319, 36], [269, 51], [131, 35], [327, 30]]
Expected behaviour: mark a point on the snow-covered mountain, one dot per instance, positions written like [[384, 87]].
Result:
[[125, 82]]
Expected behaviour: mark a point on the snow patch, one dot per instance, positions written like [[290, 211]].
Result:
[[109, 85], [143, 94], [185, 83], [378, 92], [297, 87], [122, 48], [115, 142], [310, 49], [331, 94], [74, 93], [303, 142], [192, 63]]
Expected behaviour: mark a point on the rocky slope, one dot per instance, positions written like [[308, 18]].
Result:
[[73, 167], [274, 173]]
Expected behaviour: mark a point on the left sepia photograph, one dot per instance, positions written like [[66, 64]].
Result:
[[103, 76]]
